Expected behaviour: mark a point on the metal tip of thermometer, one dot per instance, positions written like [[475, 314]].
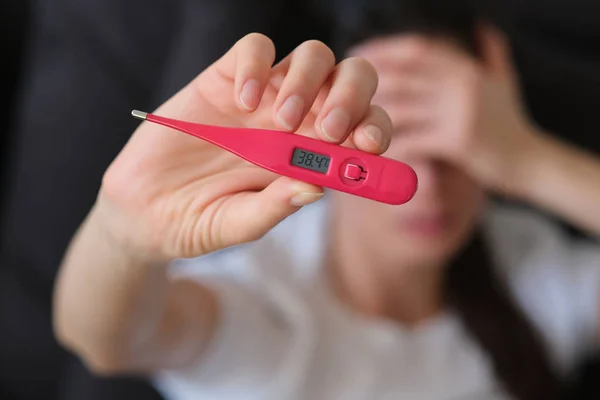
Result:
[[139, 114]]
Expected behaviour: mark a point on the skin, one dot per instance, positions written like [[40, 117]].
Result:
[[457, 121]]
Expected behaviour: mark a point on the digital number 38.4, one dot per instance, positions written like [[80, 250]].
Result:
[[312, 160]]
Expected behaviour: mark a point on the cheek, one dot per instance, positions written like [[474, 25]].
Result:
[[468, 199], [397, 150], [358, 212]]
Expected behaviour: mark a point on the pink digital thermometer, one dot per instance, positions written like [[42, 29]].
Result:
[[306, 159]]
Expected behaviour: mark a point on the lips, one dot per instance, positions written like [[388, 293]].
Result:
[[428, 225]]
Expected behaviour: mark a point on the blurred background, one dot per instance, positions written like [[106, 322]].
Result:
[[74, 68]]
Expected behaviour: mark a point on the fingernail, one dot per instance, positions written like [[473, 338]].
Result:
[[250, 95], [335, 125], [374, 133], [305, 198], [290, 112]]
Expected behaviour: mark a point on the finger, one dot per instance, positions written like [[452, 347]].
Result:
[[401, 86], [373, 134], [317, 105], [249, 64], [308, 67], [276, 80], [256, 213], [354, 83], [496, 52], [422, 144], [407, 114], [408, 51], [279, 71]]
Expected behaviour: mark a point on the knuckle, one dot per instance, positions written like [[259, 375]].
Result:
[[415, 47], [382, 113], [381, 117], [363, 66], [312, 61], [365, 71], [349, 91], [318, 49], [257, 40]]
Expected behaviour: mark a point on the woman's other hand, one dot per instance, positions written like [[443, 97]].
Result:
[[448, 104]]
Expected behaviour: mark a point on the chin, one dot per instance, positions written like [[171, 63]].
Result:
[[435, 237], [428, 247], [427, 253]]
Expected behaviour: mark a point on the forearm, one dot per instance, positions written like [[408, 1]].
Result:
[[102, 299], [121, 312], [564, 180]]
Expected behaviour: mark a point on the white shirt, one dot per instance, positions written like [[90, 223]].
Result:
[[284, 336]]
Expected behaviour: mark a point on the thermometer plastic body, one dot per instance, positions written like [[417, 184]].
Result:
[[309, 160]]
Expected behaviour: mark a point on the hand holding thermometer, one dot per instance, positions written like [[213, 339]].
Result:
[[306, 159]]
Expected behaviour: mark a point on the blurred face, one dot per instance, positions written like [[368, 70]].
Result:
[[439, 219], [429, 229]]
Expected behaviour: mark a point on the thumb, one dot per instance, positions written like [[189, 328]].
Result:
[[256, 213], [496, 52]]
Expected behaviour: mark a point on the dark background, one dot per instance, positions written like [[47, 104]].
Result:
[[73, 69]]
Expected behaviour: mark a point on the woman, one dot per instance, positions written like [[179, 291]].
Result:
[[442, 298]]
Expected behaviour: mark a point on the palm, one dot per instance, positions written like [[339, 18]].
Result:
[[172, 195], [184, 185]]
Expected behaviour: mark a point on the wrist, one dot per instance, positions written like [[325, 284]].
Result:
[[536, 162], [118, 232]]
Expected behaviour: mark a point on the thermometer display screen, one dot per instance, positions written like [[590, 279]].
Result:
[[309, 160]]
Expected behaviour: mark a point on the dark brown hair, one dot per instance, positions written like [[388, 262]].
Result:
[[472, 286], [481, 298]]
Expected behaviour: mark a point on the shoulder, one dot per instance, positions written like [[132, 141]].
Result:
[[521, 236], [524, 241], [554, 278]]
